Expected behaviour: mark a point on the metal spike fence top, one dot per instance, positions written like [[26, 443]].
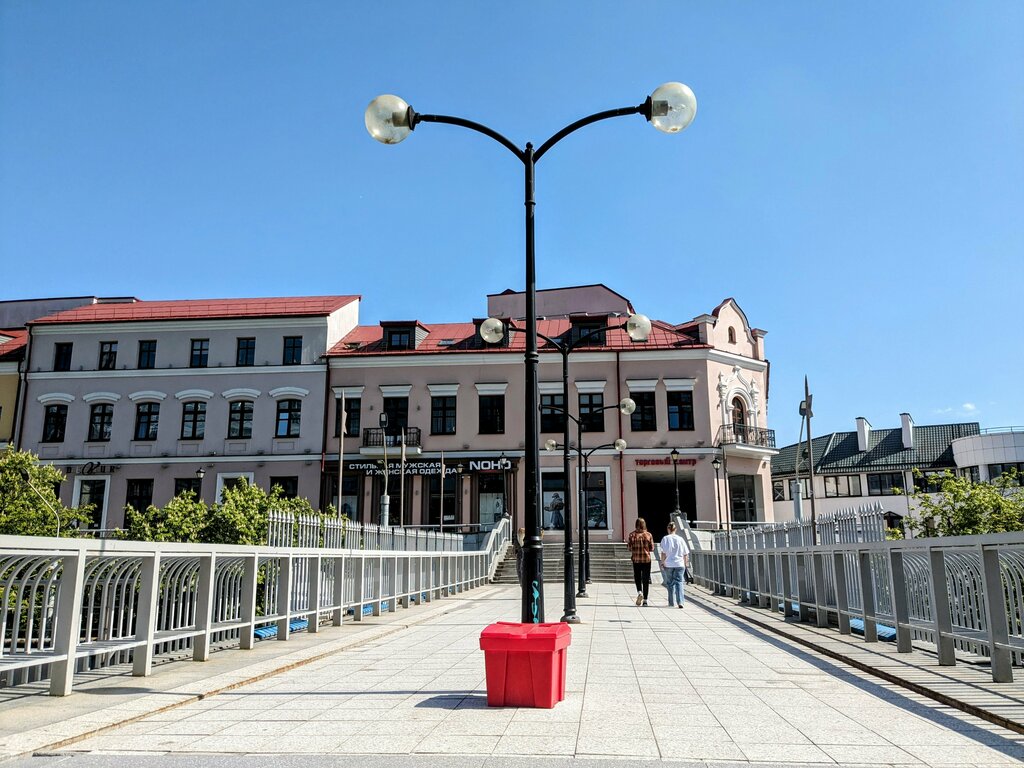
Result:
[[962, 595], [72, 605]]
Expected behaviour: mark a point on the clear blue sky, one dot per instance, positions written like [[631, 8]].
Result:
[[854, 177]]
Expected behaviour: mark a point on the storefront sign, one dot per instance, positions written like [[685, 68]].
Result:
[[663, 462], [429, 467], [95, 468]]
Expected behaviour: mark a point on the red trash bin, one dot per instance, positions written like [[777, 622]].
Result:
[[525, 663]]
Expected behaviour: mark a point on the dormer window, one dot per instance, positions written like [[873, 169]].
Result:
[[589, 332], [398, 338]]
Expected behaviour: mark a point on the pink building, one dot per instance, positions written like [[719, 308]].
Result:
[[700, 387]]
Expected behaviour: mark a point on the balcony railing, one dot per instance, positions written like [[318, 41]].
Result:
[[392, 438], [744, 434]]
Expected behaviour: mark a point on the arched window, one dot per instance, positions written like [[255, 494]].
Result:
[[739, 413], [732, 335]]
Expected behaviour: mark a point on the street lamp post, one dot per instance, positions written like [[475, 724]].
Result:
[[390, 120], [675, 479], [638, 327], [385, 500]]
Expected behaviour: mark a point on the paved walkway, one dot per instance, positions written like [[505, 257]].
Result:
[[644, 683]]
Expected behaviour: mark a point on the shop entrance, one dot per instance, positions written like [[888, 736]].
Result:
[[655, 500]]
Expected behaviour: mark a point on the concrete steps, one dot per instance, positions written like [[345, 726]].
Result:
[[609, 563]]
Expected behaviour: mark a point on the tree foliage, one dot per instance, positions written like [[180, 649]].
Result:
[[29, 504], [955, 506], [183, 519]]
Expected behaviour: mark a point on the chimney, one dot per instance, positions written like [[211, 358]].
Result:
[[908, 430], [863, 433]]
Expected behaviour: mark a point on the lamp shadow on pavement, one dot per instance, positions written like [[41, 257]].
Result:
[[994, 741], [455, 701]]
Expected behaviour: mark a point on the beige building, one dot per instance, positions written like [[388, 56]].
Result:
[[700, 388], [12, 347]]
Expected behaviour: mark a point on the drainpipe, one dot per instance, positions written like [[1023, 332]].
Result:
[[22, 394], [622, 456]]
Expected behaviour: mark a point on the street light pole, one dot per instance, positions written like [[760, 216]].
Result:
[[717, 464], [385, 500], [390, 120], [675, 478]]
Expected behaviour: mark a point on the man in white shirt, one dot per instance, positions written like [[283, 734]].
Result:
[[675, 558]]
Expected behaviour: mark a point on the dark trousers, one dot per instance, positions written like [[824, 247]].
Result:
[[642, 577]]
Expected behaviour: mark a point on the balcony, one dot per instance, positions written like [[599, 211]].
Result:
[[747, 438], [376, 441]]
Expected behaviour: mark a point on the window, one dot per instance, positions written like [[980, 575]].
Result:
[[644, 418], [732, 335], [101, 417], [93, 492], [352, 408], [188, 485], [805, 487], [442, 415], [292, 350], [289, 486], [108, 356], [139, 494], [552, 421], [842, 485], [592, 412], [779, 490], [289, 413], [245, 354], [147, 418], [739, 412], [240, 420], [971, 473], [200, 355], [193, 420], [553, 489], [581, 337], [399, 338], [998, 470], [928, 482], [743, 498], [885, 483], [147, 354], [62, 356], [492, 414], [397, 409], [680, 411], [55, 420]]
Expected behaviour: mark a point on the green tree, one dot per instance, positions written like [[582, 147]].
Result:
[[29, 505], [240, 517], [183, 519], [957, 507]]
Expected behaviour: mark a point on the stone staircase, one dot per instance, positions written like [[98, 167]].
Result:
[[609, 563]]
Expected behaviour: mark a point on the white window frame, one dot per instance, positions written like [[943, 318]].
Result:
[[76, 494], [222, 476]]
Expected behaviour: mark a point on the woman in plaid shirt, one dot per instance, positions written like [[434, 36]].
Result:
[[641, 544]]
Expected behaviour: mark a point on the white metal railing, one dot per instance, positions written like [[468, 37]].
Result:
[[286, 530], [75, 604], [961, 593]]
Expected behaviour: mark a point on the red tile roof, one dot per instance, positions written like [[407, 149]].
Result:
[[205, 309], [14, 347], [462, 337]]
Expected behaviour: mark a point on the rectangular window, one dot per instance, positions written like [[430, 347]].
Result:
[[292, 350], [779, 490], [101, 418], [553, 489], [187, 485], [200, 354], [551, 420], [108, 356], [842, 485], [442, 415], [62, 356], [55, 420], [193, 420], [996, 471], [245, 354], [929, 482], [352, 408], [399, 339], [147, 354], [644, 418], [680, 411], [885, 483], [492, 414], [971, 473], [139, 494], [397, 409], [93, 492], [588, 334], [592, 412], [240, 420], [147, 418], [289, 486], [289, 414], [595, 486]]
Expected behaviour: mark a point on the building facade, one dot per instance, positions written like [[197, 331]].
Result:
[[139, 401], [700, 388], [871, 465]]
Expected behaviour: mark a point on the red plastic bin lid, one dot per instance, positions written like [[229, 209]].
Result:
[[514, 636]]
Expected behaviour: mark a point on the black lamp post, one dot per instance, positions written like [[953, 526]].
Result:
[[675, 478], [385, 499], [717, 464], [638, 327], [390, 120]]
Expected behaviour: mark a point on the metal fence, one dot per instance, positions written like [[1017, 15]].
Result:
[[963, 593], [78, 604], [288, 530]]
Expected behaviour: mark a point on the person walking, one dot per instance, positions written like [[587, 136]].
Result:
[[517, 546], [641, 545], [675, 558]]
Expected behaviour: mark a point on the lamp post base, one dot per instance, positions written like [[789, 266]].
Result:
[[583, 593], [570, 618]]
